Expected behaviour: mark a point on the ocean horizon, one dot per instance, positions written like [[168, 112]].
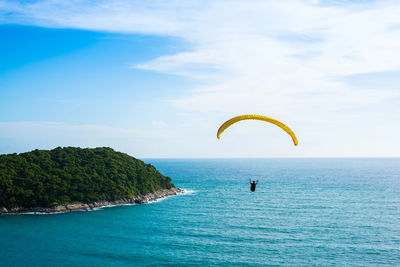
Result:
[[305, 211]]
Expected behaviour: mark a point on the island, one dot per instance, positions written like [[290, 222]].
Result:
[[72, 178]]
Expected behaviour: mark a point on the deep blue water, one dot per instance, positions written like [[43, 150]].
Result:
[[304, 212]]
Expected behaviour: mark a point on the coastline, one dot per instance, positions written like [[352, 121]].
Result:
[[141, 199]]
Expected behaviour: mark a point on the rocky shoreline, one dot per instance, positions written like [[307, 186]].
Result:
[[98, 204]]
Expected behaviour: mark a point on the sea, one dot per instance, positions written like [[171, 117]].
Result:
[[304, 212]]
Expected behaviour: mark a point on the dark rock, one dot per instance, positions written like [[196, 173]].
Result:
[[82, 206]]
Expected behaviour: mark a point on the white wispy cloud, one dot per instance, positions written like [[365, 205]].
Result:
[[158, 123]]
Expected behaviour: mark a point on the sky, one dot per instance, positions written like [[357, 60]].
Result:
[[156, 79]]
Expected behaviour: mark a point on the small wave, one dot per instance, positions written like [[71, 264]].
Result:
[[111, 206], [181, 193], [187, 192], [157, 200], [162, 198]]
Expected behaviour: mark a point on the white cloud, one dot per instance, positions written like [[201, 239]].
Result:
[[286, 59], [158, 123]]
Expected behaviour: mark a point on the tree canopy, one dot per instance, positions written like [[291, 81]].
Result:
[[45, 178]]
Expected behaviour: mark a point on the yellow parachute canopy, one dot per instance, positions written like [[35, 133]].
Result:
[[257, 117]]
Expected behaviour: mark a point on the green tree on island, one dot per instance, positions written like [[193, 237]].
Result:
[[45, 178]]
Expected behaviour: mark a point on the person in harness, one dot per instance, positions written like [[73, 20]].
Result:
[[253, 185]]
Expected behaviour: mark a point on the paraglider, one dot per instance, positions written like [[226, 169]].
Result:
[[257, 117], [261, 118], [253, 185]]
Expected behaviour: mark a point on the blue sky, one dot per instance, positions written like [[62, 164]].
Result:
[[156, 79], [81, 76]]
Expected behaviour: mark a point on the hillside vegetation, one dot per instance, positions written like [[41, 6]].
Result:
[[45, 178]]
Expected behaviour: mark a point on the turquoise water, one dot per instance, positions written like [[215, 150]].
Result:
[[304, 212]]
